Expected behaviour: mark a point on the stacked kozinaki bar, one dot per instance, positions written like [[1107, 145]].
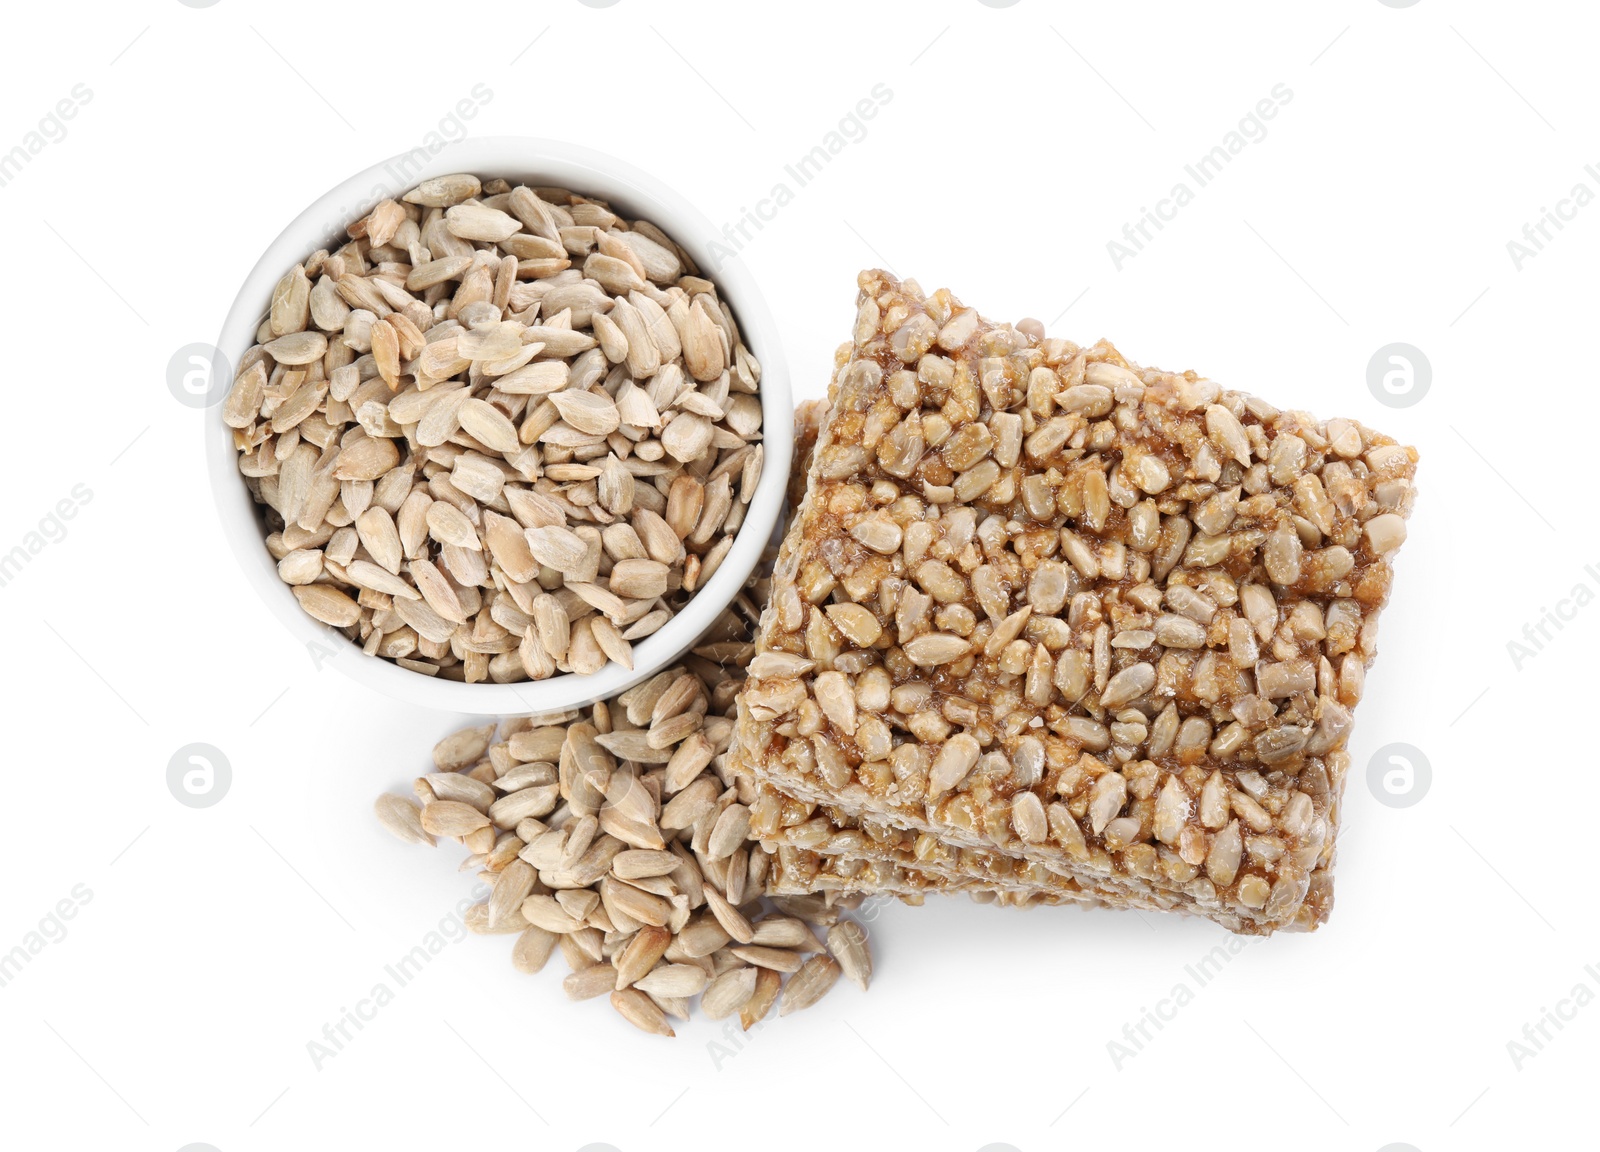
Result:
[[1051, 628]]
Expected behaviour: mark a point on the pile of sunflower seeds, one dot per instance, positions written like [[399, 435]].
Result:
[[616, 835], [500, 433]]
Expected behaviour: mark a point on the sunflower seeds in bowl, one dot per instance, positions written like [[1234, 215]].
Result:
[[499, 432]]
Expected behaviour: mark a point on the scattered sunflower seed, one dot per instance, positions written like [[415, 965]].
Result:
[[610, 833]]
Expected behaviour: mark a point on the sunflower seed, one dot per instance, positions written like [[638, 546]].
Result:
[[810, 984], [640, 954], [674, 980], [403, 818], [768, 983], [778, 959], [785, 932], [728, 993], [452, 818], [642, 1012], [588, 983], [532, 949], [847, 940]]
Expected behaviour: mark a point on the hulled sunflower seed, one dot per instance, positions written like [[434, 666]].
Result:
[[728, 993], [588, 983], [452, 818], [674, 980], [778, 959], [532, 949], [403, 818], [768, 984], [642, 1012], [847, 940], [640, 954], [785, 932], [810, 984]]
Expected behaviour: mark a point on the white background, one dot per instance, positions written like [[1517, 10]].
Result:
[[218, 942]]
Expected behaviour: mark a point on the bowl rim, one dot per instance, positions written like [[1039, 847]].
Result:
[[635, 194]]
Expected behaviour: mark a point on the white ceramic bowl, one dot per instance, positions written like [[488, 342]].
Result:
[[635, 195]]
